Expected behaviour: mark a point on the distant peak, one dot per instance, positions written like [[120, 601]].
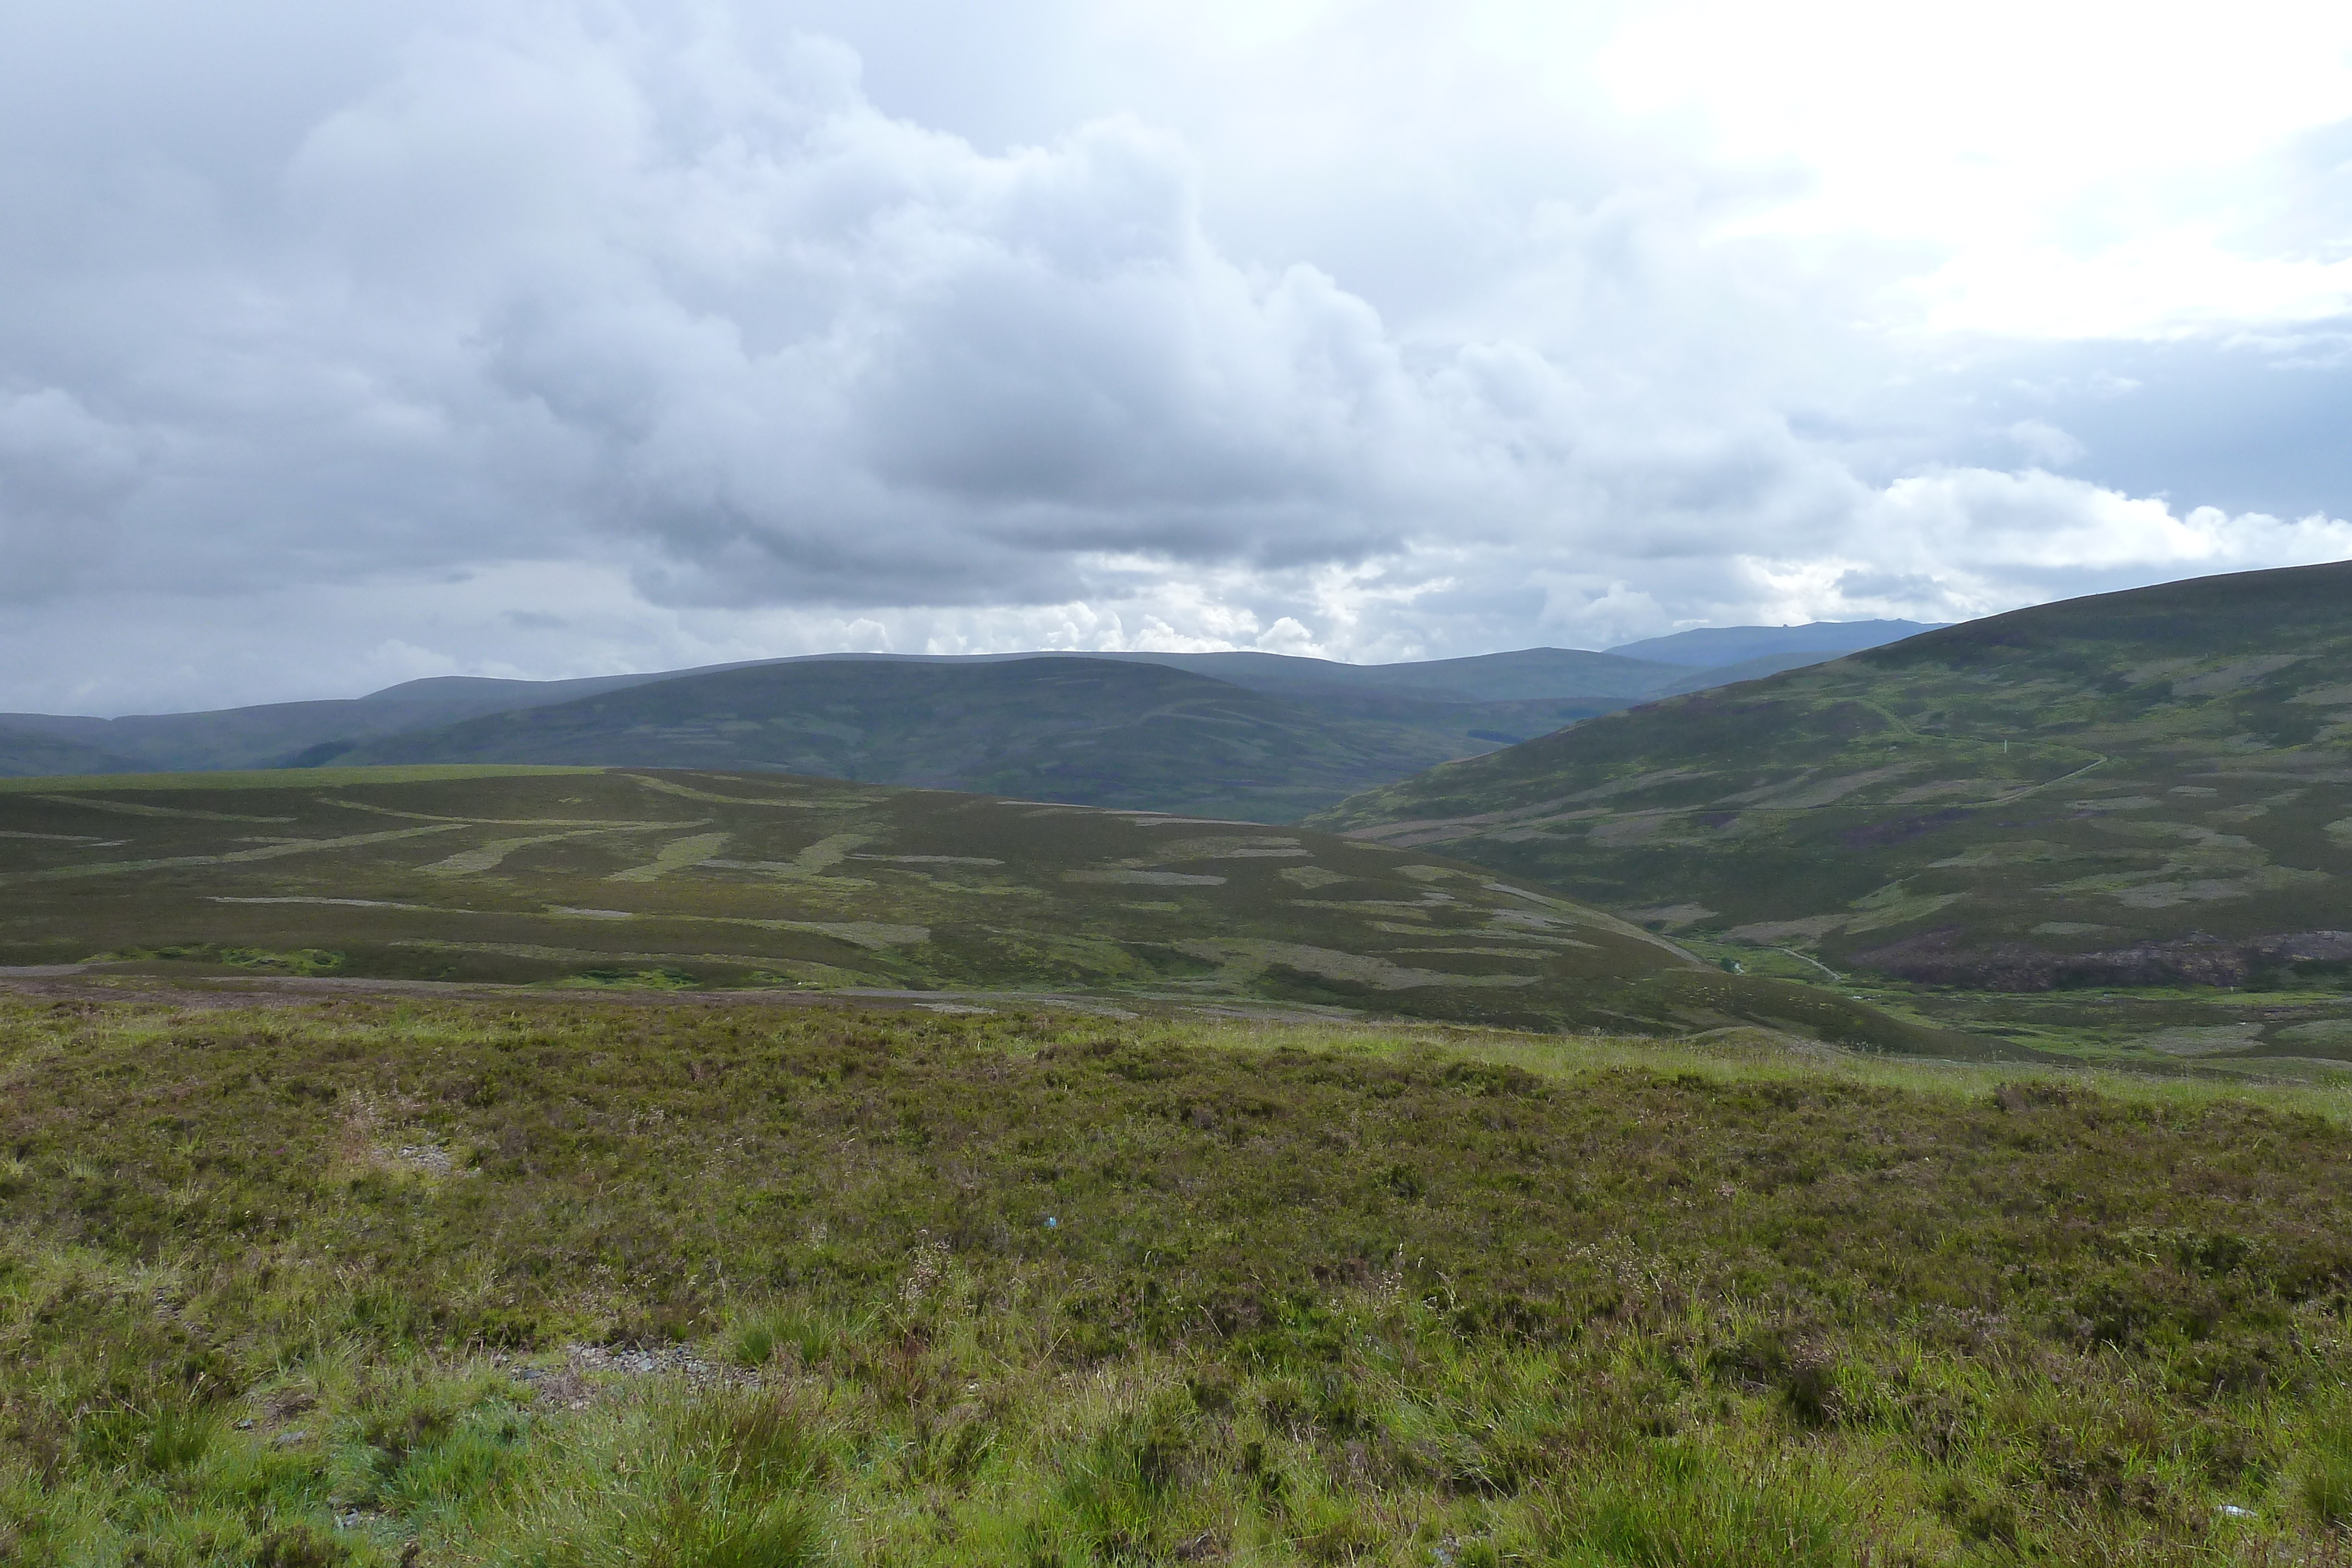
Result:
[[1707, 647]]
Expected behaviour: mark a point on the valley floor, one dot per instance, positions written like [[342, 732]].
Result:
[[371, 1277]]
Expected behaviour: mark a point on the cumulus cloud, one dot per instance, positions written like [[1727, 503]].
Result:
[[546, 338], [1963, 542]]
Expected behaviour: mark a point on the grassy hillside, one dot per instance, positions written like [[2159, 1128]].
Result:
[[675, 880], [1088, 731], [370, 1281], [2143, 788]]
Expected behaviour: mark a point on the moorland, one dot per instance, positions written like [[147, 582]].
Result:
[[376, 1279], [1889, 1111], [682, 880]]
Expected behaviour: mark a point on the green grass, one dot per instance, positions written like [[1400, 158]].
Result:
[[317, 1283]]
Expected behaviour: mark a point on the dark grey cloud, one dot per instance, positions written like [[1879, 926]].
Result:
[[551, 338]]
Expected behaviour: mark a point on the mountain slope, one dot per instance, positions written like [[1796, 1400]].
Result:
[[1088, 731], [2145, 787], [1754, 669], [589, 876]]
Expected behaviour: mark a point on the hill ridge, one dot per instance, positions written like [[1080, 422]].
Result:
[[2140, 784]]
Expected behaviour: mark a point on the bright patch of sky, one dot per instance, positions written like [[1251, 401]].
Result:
[[342, 345]]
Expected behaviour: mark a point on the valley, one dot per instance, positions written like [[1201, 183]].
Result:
[[679, 881]]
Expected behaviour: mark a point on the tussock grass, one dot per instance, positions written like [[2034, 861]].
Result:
[[577, 1281]]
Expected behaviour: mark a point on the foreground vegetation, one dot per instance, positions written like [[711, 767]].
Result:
[[563, 1281]]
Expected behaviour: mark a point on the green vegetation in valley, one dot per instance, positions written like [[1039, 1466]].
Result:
[[369, 1281], [2139, 789], [671, 879], [2223, 1032]]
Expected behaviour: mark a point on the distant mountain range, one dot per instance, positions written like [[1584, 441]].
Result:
[[1088, 731], [1719, 647], [1258, 733], [2146, 787]]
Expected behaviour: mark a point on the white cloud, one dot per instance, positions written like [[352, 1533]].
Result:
[[1965, 542], [2044, 444]]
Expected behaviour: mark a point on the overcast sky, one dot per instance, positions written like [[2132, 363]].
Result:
[[341, 344]]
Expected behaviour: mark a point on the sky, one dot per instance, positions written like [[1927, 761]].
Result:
[[345, 344]]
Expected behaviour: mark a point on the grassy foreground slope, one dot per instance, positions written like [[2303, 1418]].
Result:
[[2143, 788], [366, 1283], [675, 879]]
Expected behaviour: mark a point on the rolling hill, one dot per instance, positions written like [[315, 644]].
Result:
[[2143, 788], [1086, 731], [271, 733], [1445, 707], [689, 879]]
